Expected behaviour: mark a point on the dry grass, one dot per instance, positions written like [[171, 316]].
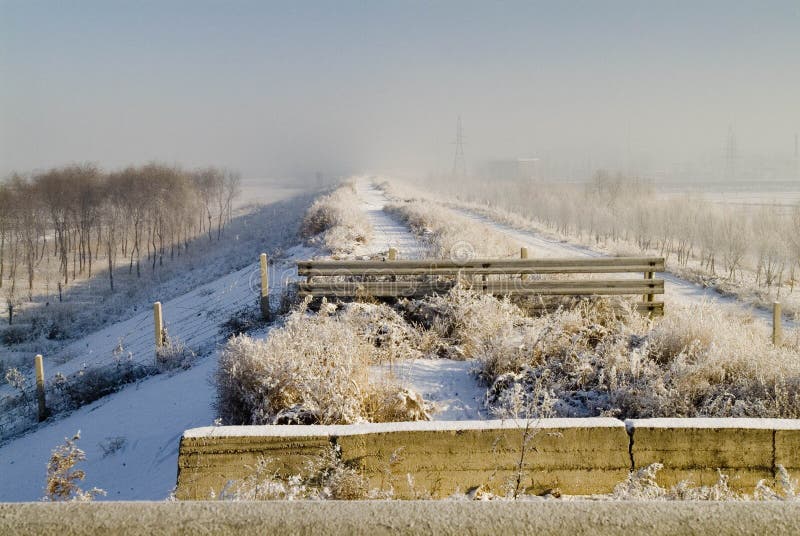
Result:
[[63, 477], [314, 369], [324, 477], [451, 235], [336, 221], [641, 485], [602, 358], [597, 358]]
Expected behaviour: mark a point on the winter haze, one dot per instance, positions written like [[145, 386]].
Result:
[[286, 89]]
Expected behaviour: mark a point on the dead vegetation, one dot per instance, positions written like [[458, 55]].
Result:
[[336, 222], [63, 477], [315, 369], [450, 235]]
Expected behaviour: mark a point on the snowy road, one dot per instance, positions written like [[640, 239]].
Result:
[[675, 288], [447, 383], [388, 231]]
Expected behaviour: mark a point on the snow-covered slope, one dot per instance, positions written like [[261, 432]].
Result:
[[145, 419]]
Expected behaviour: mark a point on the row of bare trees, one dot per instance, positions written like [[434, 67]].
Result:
[[614, 209], [72, 216]]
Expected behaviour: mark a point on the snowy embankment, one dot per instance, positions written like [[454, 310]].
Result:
[[447, 383], [131, 437]]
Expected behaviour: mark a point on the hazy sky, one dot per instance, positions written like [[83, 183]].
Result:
[[292, 87]]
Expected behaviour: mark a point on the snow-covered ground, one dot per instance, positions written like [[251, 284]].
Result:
[[147, 417], [675, 288], [131, 437], [449, 384], [388, 231]]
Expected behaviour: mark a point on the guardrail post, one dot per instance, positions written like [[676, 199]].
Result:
[[523, 254], [777, 324], [39, 364], [158, 323], [649, 297], [264, 300]]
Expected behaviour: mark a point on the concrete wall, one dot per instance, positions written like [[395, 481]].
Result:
[[575, 456], [457, 518], [747, 450]]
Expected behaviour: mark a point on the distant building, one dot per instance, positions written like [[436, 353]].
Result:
[[514, 169]]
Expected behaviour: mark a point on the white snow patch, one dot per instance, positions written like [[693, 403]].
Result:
[[150, 416], [450, 385], [294, 430], [716, 422]]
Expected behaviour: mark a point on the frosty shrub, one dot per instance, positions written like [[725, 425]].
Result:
[[314, 369], [336, 221], [642, 485], [324, 477], [16, 379], [602, 358], [15, 335], [464, 324], [451, 235], [174, 354], [63, 478], [53, 322]]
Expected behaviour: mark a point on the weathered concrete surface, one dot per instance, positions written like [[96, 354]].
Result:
[[207, 464], [787, 445], [572, 518], [578, 456], [590, 456], [697, 449]]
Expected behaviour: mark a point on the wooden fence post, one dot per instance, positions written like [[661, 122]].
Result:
[[39, 363], [777, 324], [159, 325], [264, 300]]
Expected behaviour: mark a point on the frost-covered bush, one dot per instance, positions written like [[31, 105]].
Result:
[[451, 235], [63, 477], [642, 485], [336, 221], [15, 334], [470, 323], [315, 369], [174, 354], [54, 322], [324, 477], [602, 358]]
